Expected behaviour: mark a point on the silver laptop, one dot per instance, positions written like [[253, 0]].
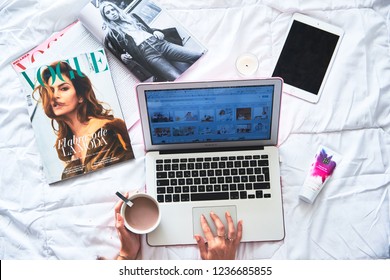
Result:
[[211, 146]]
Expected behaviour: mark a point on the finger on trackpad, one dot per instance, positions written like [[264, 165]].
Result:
[[219, 210]]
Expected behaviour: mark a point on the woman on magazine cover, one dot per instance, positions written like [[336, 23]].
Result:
[[131, 39], [89, 137]]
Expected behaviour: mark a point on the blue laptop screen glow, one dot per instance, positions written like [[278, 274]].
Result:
[[210, 114]]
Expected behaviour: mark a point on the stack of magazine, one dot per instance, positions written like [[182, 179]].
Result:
[[79, 83]]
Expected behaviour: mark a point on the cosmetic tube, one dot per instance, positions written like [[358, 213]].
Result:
[[322, 168]]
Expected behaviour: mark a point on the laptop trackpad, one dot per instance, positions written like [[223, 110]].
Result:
[[219, 210]]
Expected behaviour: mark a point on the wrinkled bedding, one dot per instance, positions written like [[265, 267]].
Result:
[[350, 218]]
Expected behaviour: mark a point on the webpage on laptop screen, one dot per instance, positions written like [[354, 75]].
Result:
[[210, 114]]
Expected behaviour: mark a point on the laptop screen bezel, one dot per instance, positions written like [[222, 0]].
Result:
[[143, 88]]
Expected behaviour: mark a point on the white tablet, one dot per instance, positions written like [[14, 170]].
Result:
[[307, 56]]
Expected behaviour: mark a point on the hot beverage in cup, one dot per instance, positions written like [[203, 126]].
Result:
[[143, 216]]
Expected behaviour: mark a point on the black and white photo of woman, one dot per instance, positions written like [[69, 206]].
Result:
[[148, 52]]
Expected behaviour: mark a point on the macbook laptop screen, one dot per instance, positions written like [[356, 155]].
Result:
[[210, 114]]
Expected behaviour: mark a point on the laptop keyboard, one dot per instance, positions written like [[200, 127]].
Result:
[[213, 178]]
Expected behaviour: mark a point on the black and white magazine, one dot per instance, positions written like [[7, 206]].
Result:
[[144, 37]]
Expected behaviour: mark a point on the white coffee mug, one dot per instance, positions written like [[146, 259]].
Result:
[[144, 216]]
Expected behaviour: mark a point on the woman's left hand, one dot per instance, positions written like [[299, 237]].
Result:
[[159, 35], [224, 245], [130, 242]]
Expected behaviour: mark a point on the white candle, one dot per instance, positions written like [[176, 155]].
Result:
[[247, 64]]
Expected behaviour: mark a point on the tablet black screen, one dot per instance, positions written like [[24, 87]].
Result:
[[305, 57]]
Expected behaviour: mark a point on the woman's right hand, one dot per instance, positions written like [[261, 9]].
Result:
[[224, 245]]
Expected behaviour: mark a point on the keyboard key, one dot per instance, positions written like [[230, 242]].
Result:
[[234, 195], [161, 190], [182, 182], [262, 163], [168, 198], [185, 197], [261, 186], [209, 196], [176, 198], [267, 195], [243, 195], [259, 194], [177, 189], [161, 175], [163, 182], [189, 181]]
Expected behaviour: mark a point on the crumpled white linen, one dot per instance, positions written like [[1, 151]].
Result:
[[351, 216]]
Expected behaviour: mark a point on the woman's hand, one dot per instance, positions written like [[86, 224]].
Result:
[[126, 58], [130, 242], [159, 35], [224, 245]]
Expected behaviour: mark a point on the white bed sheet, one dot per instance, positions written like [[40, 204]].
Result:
[[351, 216]]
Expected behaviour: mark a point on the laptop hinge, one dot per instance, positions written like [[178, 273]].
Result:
[[211, 150]]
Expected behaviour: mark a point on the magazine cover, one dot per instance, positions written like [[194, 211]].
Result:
[[144, 36], [76, 116]]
